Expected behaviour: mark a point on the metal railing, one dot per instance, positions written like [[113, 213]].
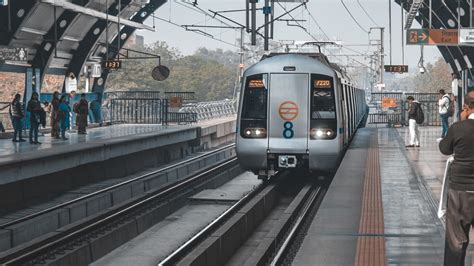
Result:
[[211, 110], [132, 95], [5, 120], [185, 96], [399, 115]]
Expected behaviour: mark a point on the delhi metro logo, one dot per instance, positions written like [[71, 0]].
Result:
[[288, 111]]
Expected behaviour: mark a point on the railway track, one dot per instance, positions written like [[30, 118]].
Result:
[[262, 228], [113, 224]]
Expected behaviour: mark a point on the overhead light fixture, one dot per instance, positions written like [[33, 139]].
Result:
[[458, 66], [468, 62], [415, 7]]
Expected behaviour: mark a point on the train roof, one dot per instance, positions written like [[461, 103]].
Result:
[[318, 56]]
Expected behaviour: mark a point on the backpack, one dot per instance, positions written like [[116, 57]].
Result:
[[420, 116], [450, 107], [75, 108]]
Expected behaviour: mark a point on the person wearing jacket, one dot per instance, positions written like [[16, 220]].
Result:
[[34, 107], [414, 107], [55, 116], [443, 104], [459, 212], [17, 116], [64, 111], [82, 112]]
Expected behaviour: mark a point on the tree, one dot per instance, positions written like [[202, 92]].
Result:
[[211, 74]]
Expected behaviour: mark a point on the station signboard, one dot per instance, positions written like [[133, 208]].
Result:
[[112, 64], [396, 68], [389, 102], [443, 37], [13, 54], [466, 36], [176, 102]]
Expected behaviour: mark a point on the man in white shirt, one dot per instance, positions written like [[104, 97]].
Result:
[[454, 91], [443, 104]]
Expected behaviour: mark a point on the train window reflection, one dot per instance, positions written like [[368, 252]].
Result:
[[255, 98], [323, 105]]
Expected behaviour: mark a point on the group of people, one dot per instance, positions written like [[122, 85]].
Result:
[[59, 110], [446, 108], [457, 140]]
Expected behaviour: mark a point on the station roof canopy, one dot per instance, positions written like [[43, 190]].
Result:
[[446, 14], [79, 29]]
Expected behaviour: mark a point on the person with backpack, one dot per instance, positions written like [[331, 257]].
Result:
[[459, 212], [444, 103], [415, 117]]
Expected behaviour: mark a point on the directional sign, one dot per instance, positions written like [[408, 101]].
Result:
[[396, 68], [418, 36], [466, 36], [433, 36], [444, 36], [13, 54]]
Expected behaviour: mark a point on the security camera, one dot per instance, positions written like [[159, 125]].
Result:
[[422, 70]]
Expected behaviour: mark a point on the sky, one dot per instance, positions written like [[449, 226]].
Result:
[[330, 15]]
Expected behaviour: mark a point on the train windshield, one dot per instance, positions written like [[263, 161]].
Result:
[[323, 104], [255, 97]]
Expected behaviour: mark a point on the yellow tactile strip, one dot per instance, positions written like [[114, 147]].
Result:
[[371, 242]]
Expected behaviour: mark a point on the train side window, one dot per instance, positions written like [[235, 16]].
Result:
[[323, 104], [255, 97]]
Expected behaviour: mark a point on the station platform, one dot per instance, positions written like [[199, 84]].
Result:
[[31, 171], [381, 208]]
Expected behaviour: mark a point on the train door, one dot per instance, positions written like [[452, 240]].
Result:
[[288, 113]]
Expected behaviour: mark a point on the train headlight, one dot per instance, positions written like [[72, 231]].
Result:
[[255, 133], [322, 133]]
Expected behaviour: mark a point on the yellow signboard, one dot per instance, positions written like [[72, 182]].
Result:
[[389, 102]]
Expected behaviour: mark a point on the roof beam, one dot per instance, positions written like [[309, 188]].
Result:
[[97, 14], [415, 6]]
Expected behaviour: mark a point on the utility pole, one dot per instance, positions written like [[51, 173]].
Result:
[[241, 64], [382, 53], [267, 18]]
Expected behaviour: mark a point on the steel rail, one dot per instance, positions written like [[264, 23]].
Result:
[[174, 257], [297, 225], [23, 256], [34, 215]]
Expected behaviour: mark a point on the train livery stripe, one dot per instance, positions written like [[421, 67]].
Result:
[[371, 242]]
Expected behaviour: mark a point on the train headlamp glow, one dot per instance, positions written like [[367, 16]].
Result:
[[322, 133], [255, 133]]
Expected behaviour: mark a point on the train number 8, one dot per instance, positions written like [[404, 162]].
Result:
[[288, 133]]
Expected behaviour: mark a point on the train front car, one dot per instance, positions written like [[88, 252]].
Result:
[[288, 116]]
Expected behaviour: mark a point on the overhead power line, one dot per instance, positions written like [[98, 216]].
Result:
[[367, 13], [353, 18]]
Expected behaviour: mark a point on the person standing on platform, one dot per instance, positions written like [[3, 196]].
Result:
[[454, 98], [17, 115], [443, 103], [55, 116], [64, 111], [82, 111], [413, 120], [459, 210], [34, 107]]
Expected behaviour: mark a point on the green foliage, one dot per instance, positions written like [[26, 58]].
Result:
[[436, 77], [211, 74]]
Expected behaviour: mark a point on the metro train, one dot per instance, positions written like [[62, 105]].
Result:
[[297, 110]]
